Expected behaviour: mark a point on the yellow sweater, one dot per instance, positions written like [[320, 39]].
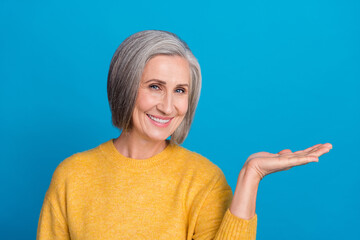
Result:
[[177, 194]]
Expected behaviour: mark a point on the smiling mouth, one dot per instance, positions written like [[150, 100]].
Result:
[[158, 120]]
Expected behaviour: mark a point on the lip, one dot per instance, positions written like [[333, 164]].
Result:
[[162, 118]]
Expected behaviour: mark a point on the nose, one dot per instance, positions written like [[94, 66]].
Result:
[[166, 105]]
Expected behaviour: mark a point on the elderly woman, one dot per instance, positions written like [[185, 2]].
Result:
[[142, 185]]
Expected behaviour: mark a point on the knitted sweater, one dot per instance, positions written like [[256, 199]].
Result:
[[176, 194]]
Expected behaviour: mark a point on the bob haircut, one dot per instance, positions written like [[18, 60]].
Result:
[[126, 69]]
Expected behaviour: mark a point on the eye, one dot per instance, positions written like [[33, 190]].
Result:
[[153, 86], [180, 90]]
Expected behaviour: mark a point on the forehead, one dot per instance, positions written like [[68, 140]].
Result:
[[167, 68]]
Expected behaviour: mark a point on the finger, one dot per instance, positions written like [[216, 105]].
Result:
[[321, 150], [285, 151], [298, 160], [309, 149], [329, 144], [322, 146], [288, 161], [313, 147]]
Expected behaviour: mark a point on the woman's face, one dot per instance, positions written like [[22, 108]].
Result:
[[162, 99]]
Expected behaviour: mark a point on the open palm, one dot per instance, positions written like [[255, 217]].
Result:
[[264, 163]]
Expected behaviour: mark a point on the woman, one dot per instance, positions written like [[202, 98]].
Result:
[[143, 186]]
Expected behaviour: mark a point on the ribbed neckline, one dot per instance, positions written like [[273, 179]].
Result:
[[108, 148]]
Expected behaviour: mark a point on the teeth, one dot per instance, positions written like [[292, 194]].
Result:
[[158, 119]]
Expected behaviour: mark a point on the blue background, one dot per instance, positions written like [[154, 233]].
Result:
[[276, 75]]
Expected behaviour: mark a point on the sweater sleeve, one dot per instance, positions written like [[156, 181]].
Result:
[[215, 221], [50, 225], [52, 222]]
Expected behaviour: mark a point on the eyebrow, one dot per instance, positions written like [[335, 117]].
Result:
[[164, 83]]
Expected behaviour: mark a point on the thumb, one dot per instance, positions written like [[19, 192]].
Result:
[[285, 151]]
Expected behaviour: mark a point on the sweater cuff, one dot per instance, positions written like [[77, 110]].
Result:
[[233, 227]]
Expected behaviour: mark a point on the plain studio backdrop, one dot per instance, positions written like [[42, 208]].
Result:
[[276, 75]]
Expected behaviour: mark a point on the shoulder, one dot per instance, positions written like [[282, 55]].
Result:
[[204, 180], [76, 165], [198, 164]]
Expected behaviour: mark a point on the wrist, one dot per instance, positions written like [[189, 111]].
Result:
[[244, 201], [250, 174]]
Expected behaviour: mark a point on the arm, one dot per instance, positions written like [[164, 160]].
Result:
[[51, 225], [52, 222], [261, 164], [244, 201], [215, 221]]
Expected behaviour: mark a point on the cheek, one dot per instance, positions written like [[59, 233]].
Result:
[[183, 107], [144, 101]]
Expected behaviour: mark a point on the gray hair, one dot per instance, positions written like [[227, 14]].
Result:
[[127, 66]]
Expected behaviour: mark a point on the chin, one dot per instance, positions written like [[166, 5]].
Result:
[[158, 138], [155, 133]]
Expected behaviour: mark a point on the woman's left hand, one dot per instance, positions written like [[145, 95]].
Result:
[[264, 163], [260, 164]]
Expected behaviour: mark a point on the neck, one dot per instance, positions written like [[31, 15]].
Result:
[[132, 147]]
